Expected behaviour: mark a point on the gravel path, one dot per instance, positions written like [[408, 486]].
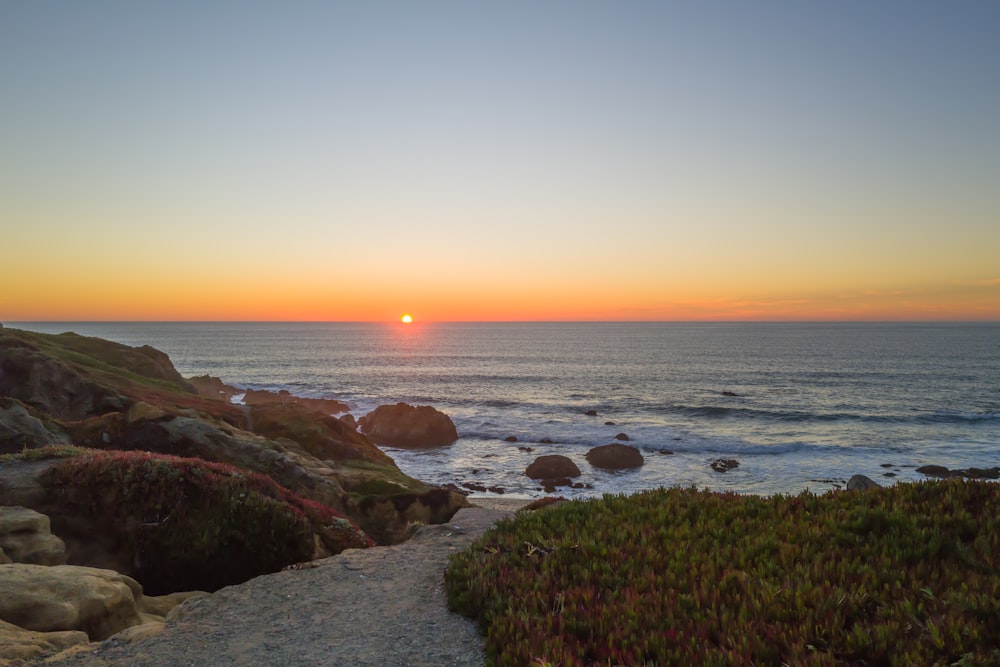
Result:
[[383, 606]]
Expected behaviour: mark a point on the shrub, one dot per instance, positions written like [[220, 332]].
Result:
[[906, 575], [191, 524]]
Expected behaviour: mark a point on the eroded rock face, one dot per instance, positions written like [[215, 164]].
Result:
[[68, 597], [552, 466], [327, 406], [615, 457], [403, 425], [25, 537], [16, 643], [19, 429]]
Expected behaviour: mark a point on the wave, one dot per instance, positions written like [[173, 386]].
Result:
[[727, 412]]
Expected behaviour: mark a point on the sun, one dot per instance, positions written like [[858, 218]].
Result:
[[406, 318]]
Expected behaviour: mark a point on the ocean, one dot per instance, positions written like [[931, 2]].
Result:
[[798, 406]]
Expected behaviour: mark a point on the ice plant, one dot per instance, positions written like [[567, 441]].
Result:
[[907, 575]]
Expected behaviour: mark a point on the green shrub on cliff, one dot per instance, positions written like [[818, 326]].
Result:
[[191, 524], [908, 575]]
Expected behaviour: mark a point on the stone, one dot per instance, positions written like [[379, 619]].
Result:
[[862, 483], [16, 643], [934, 471], [25, 537], [404, 425], [284, 397], [552, 466], [510, 438], [623, 437], [724, 465], [19, 429], [213, 387], [547, 441], [615, 457], [591, 413], [68, 597]]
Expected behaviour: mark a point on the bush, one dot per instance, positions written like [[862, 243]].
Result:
[[906, 575], [191, 524]]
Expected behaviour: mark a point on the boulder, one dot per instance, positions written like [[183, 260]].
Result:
[[862, 483], [404, 425], [25, 537], [68, 597], [724, 465], [623, 437], [615, 457], [19, 644], [970, 473], [19, 429], [552, 466]]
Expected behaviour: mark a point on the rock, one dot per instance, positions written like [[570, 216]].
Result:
[[934, 471], [550, 484], [4, 559], [724, 465], [547, 441], [526, 449], [25, 537], [622, 437], [68, 597], [404, 425], [213, 387], [609, 423], [591, 413], [729, 393], [862, 483], [615, 457], [19, 644], [510, 438], [284, 397], [552, 466], [349, 421], [19, 429]]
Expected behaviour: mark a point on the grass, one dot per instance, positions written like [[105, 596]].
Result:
[[906, 575]]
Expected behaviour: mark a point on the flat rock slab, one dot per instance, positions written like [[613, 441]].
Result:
[[382, 607]]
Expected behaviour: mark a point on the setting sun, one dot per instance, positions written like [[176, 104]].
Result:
[[406, 318]]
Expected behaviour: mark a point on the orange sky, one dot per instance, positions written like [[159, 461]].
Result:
[[342, 163]]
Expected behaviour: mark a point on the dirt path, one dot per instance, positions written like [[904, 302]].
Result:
[[383, 606]]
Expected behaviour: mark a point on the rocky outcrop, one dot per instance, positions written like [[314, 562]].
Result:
[[970, 473], [26, 537], [327, 406], [19, 429], [615, 457], [552, 466], [213, 387], [68, 597], [404, 425], [724, 465]]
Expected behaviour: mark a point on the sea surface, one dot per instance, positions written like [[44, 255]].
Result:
[[798, 406]]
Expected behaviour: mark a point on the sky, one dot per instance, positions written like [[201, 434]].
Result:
[[521, 160]]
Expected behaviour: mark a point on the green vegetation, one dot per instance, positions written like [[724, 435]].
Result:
[[907, 575], [192, 524], [45, 453]]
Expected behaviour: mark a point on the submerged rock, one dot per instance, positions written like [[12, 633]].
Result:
[[724, 465]]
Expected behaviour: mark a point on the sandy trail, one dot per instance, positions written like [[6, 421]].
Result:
[[383, 606]]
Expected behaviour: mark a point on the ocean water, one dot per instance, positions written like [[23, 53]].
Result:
[[814, 403]]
